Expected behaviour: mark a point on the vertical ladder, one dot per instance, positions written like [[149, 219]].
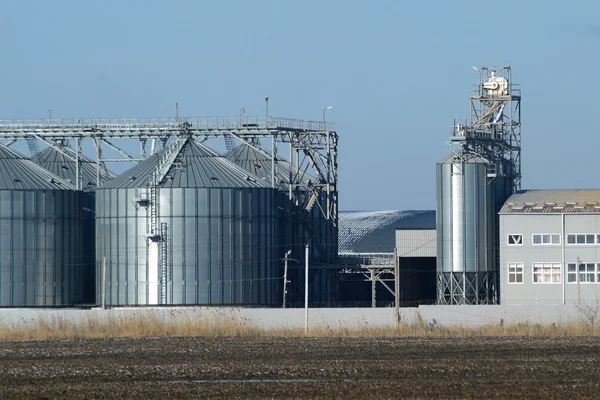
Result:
[[33, 145], [164, 263], [229, 143]]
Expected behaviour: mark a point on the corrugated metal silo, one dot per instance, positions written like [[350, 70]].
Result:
[[294, 234], [216, 236], [470, 192], [41, 249], [60, 160]]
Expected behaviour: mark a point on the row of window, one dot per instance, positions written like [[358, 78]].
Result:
[[554, 239], [551, 272]]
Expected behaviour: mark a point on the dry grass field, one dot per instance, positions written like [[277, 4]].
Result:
[[139, 326]]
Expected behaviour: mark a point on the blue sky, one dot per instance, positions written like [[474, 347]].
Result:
[[397, 72]]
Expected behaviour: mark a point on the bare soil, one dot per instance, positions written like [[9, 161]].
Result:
[[324, 367]]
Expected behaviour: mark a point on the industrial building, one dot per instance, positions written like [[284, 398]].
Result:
[[550, 247], [370, 245]]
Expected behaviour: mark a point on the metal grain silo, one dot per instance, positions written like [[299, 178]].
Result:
[[470, 192], [186, 226], [296, 225], [41, 249], [61, 160]]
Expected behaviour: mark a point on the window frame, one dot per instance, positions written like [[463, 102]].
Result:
[[578, 273], [514, 244], [585, 236], [550, 235], [542, 265], [516, 273]]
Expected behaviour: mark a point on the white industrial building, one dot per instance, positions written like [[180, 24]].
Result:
[[550, 247]]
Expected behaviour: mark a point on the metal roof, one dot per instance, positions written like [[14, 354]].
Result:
[[553, 201], [197, 166], [62, 164], [368, 232], [464, 158], [19, 173], [259, 163]]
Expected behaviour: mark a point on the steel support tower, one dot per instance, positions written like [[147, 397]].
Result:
[[312, 146], [494, 130], [494, 134]]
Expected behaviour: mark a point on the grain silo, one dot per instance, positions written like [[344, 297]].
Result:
[[297, 226], [64, 162], [186, 226], [41, 248], [482, 171], [61, 161]]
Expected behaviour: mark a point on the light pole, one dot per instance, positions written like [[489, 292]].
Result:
[[328, 162], [267, 106], [306, 290], [50, 112], [324, 122]]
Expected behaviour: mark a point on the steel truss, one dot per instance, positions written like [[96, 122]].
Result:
[[467, 288], [375, 268], [494, 131], [313, 150]]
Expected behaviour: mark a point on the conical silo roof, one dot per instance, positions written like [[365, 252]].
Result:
[[259, 163], [465, 158], [62, 164], [196, 166], [19, 173]]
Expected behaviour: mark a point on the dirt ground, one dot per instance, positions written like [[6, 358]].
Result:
[[249, 367]]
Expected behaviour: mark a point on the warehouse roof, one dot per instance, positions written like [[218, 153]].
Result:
[[19, 173], [196, 166], [553, 201], [364, 232]]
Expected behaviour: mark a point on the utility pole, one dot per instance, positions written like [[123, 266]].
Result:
[[397, 286], [577, 268], [285, 270], [104, 283], [306, 290]]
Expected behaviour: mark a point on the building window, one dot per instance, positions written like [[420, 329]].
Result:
[[515, 272], [587, 273], [515, 239], [582, 238], [546, 273], [538, 239]]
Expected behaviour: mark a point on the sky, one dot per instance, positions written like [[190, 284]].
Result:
[[396, 72]]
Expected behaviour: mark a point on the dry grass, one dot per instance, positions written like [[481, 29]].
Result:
[[136, 325]]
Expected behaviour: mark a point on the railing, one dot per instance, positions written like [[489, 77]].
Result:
[[167, 124]]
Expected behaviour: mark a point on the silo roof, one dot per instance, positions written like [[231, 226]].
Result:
[[64, 166], [196, 166], [560, 201], [259, 163], [464, 158], [19, 173], [370, 232]]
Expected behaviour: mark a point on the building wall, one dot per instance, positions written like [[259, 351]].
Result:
[[416, 242], [561, 291]]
